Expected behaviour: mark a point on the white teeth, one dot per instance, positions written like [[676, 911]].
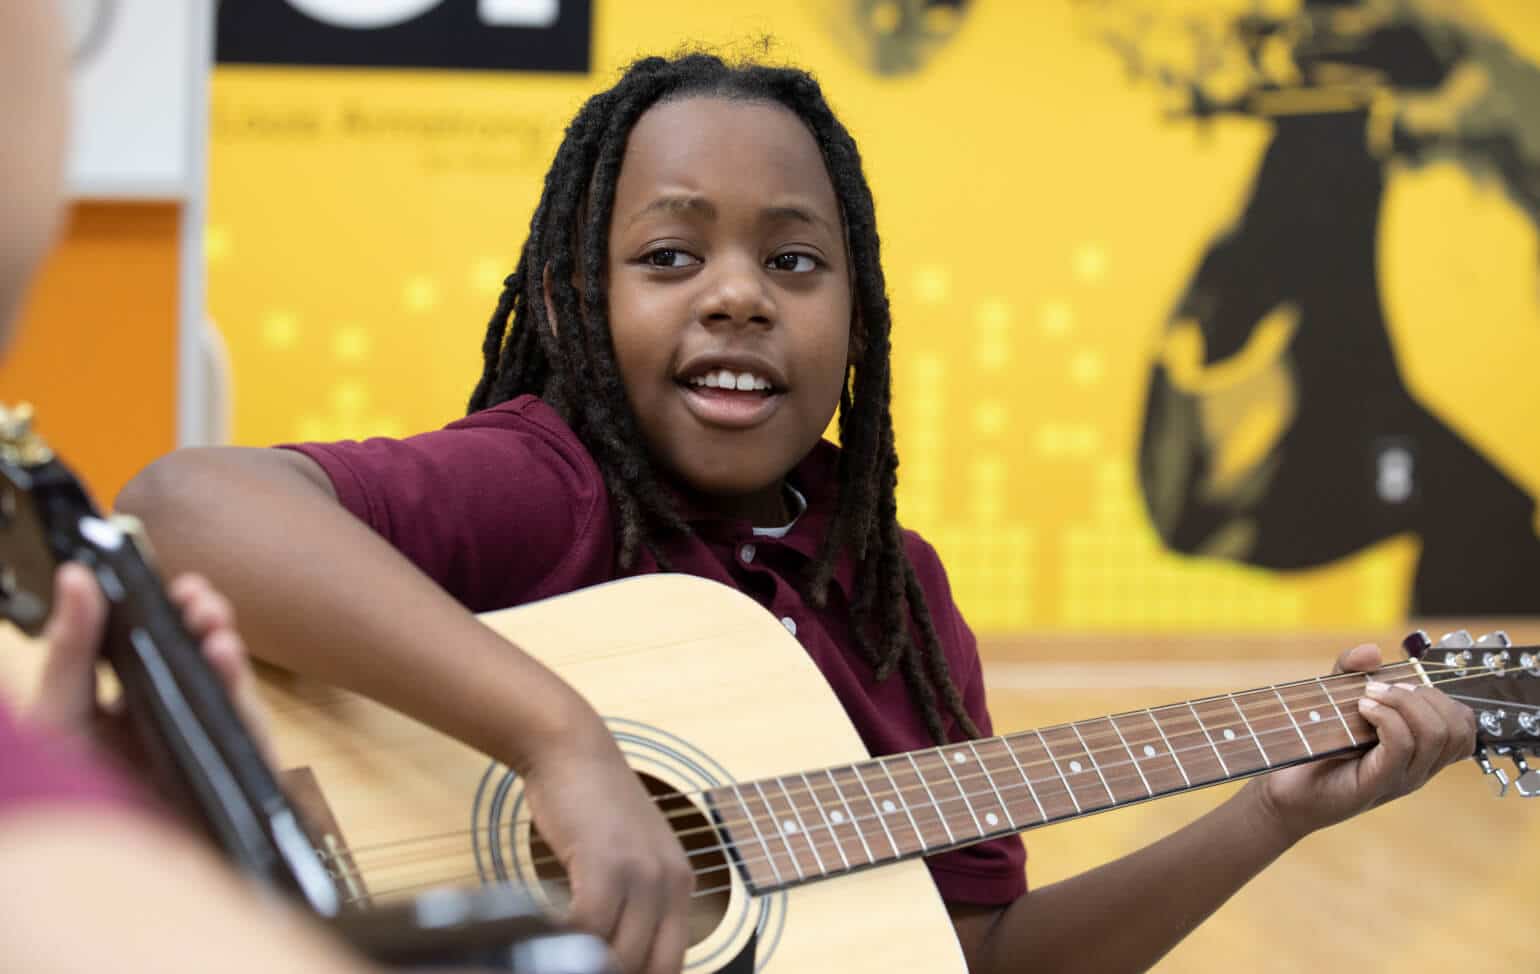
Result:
[[727, 379]]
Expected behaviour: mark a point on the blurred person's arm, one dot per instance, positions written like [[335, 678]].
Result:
[[95, 877], [96, 887]]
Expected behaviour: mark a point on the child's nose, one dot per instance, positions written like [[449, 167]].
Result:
[[738, 292]]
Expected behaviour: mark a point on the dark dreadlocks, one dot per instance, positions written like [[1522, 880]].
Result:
[[573, 368]]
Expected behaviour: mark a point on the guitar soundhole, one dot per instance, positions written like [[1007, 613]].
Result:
[[702, 844]]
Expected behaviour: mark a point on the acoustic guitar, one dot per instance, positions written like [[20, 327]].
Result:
[[752, 759]]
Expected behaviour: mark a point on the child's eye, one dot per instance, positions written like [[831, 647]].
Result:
[[796, 263], [669, 257]]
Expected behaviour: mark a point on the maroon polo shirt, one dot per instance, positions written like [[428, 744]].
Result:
[[506, 506]]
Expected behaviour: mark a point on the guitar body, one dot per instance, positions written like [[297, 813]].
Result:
[[702, 687]]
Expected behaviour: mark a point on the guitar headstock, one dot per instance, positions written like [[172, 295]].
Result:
[[1501, 683], [26, 561]]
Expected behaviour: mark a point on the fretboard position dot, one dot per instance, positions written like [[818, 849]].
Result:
[[1075, 766], [1315, 716], [959, 757], [1229, 734], [1149, 750], [992, 819], [837, 817], [888, 806], [789, 827]]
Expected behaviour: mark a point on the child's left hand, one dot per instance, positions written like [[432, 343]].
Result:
[[67, 703], [1420, 730]]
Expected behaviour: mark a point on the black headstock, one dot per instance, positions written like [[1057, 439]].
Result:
[[1501, 683], [32, 485]]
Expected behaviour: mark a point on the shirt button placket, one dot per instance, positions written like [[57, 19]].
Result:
[[790, 624], [746, 552]]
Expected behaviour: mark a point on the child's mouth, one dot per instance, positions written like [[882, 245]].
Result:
[[735, 408]]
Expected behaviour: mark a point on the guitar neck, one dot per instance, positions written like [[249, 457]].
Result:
[[810, 825]]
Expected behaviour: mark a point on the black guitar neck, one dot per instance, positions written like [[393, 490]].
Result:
[[187, 722]]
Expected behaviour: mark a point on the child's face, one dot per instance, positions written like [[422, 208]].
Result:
[[727, 255], [33, 78]]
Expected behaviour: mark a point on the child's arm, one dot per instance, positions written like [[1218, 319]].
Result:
[[1126, 915], [322, 594]]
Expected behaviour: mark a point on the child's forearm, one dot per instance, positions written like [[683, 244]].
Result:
[[318, 592], [1127, 914]]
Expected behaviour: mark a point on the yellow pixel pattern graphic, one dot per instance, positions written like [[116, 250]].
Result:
[[1039, 218]]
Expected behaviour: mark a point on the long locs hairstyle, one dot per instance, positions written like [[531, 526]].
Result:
[[573, 367]]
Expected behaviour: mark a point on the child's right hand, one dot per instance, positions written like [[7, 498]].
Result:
[[631, 881]]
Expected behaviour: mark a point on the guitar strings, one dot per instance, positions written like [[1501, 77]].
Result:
[[900, 791], [560, 882], [1117, 768], [1190, 726], [934, 753]]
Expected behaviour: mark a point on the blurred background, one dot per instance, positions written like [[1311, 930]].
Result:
[[1209, 315]]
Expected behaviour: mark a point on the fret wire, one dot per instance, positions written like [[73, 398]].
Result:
[[951, 839], [1119, 731], [1031, 790], [1049, 751], [1317, 682], [1004, 808], [881, 815], [795, 864], [1095, 764], [838, 845], [769, 857], [967, 802], [1169, 749], [1250, 730], [851, 815], [1297, 729], [903, 802], [1210, 738], [802, 827], [1333, 701]]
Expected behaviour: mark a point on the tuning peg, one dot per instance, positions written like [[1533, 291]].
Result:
[[1528, 782], [1491, 722], [1459, 639], [1498, 774], [1497, 657], [1529, 723], [16, 422], [18, 441], [1417, 644]]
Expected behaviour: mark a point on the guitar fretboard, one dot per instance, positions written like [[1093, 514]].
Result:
[[810, 825]]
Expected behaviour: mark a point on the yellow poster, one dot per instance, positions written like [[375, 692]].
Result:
[[1178, 288]]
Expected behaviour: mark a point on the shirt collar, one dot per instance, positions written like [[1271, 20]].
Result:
[[814, 484], [799, 503]]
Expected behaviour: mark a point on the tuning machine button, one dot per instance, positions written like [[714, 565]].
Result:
[[1527, 784], [1459, 639], [1498, 774]]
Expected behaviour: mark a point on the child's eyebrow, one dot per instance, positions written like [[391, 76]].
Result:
[[677, 205], [707, 209]]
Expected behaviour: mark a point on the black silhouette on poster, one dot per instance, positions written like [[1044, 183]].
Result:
[[1278, 430]]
